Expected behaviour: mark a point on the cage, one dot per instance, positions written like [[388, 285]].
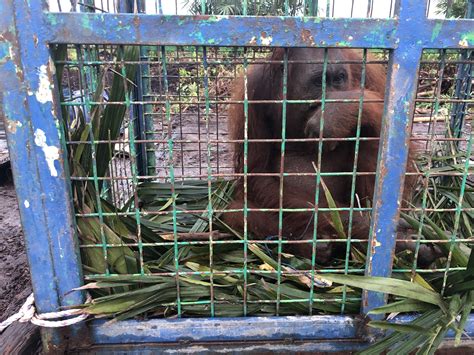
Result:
[[217, 175]]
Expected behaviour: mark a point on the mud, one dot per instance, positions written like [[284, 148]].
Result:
[[14, 275]]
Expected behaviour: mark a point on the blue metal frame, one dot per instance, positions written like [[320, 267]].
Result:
[[249, 31], [41, 179], [37, 159], [398, 111]]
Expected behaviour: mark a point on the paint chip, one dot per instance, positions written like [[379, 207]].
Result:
[[13, 125], [27, 204], [51, 153], [266, 41], [464, 43], [44, 93]]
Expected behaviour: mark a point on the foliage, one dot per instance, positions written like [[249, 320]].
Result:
[[448, 300], [439, 313], [235, 7], [452, 8], [89, 160]]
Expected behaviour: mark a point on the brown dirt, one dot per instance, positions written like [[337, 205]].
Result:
[[14, 275]]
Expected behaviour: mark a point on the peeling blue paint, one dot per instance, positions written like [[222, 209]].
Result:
[[303, 328], [39, 174], [399, 106], [223, 31]]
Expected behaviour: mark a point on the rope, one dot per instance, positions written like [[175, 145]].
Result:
[[27, 313]]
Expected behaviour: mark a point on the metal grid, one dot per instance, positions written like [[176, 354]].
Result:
[[442, 134], [404, 49], [188, 101]]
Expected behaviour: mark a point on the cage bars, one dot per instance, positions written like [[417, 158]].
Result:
[[426, 177], [245, 180], [399, 107], [318, 178], [396, 122], [354, 175]]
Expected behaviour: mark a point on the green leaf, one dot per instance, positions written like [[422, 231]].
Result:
[[407, 346], [459, 258], [468, 302], [425, 321], [335, 216], [403, 328], [388, 285], [406, 305]]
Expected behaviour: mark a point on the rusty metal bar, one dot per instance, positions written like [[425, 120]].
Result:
[[42, 183], [400, 97]]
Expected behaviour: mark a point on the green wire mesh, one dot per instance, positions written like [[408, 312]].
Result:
[[151, 170]]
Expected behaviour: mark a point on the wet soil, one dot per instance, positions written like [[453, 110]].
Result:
[[14, 275]]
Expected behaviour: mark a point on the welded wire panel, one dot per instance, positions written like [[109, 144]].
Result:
[[256, 186], [440, 212], [198, 91]]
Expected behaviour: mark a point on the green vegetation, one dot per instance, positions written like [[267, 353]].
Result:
[[452, 8], [236, 7]]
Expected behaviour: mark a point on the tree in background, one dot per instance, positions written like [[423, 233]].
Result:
[[254, 8], [452, 8]]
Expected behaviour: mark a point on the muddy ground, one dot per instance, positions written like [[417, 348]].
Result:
[[14, 275]]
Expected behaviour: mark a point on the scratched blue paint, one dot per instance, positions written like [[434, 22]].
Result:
[[223, 31], [399, 105], [235, 348], [226, 329], [44, 202], [48, 219], [52, 193], [228, 31], [342, 332]]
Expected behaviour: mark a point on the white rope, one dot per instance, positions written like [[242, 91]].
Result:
[[27, 313]]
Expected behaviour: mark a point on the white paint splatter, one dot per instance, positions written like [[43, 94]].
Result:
[[27, 204], [51, 153], [220, 17], [464, 43], [44, 93], [13, 125], [266, 41], [11, 53]]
